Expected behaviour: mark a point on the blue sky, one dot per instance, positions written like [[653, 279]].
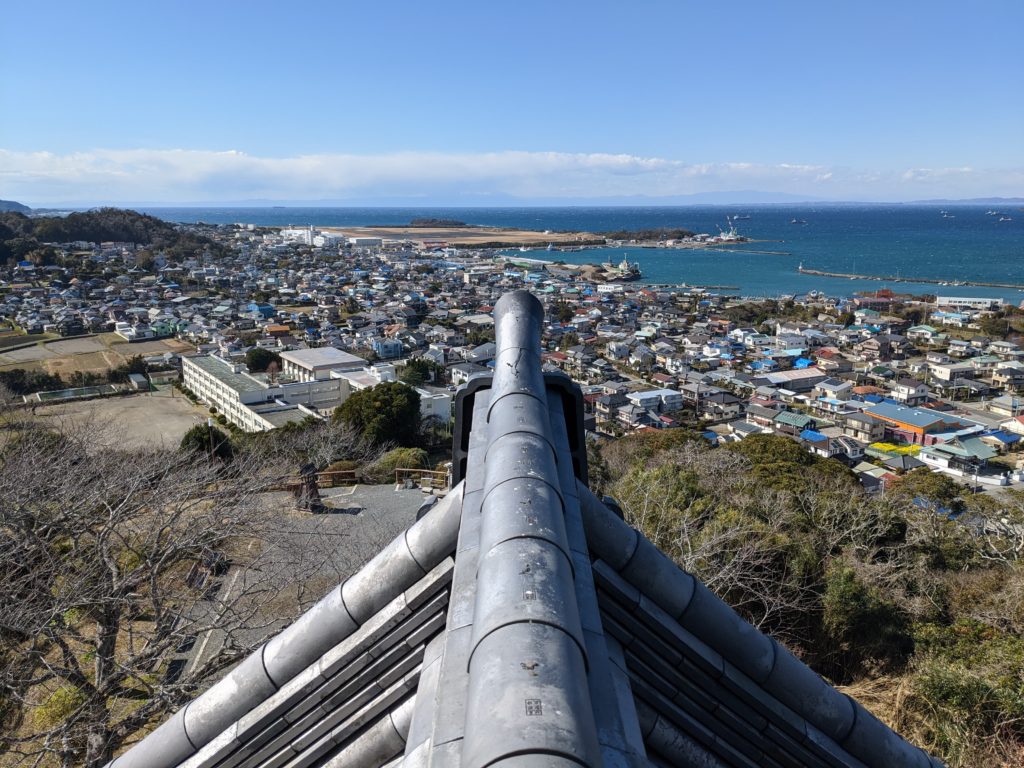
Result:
[[527, 100]]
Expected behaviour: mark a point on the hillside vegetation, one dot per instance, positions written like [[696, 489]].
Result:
[[22, 237], [920, 617], [659, 233]]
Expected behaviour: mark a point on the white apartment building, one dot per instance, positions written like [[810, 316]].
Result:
[[657, 399], [965, 302], [254, 405], [317, 364], [435, 405]]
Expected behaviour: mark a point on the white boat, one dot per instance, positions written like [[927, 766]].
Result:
[[1005, 218]]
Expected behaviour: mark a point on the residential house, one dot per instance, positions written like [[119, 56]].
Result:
[[792, 424], [919, 425], [721, 406], [761, 415], [910, 391], [924, 333], [863, 427], [1008, 376], [963, 457]]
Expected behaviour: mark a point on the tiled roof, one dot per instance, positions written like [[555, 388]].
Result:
[[521, 622], [801, 420]]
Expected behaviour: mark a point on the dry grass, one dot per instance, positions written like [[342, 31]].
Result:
[[894, 700]]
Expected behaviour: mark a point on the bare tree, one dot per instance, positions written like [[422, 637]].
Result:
[[998, 523], [130, 579]]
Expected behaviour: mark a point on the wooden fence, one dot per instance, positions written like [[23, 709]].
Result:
[[425, 478]]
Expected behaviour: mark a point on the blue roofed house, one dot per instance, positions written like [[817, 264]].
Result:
[[387, 349], [817, 443], [920, 425], [1000, 439], [266, 310]]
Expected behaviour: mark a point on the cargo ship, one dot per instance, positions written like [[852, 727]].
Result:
[[623, 272]]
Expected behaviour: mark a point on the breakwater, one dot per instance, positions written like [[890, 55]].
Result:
[[905, 279]]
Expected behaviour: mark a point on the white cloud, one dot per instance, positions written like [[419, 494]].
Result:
[[179, 175]]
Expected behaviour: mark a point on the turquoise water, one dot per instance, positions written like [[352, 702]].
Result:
[[905, 240]]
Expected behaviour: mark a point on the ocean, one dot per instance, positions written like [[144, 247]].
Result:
[[902, 240]]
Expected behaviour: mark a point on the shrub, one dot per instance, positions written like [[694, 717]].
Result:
[[202, 439], [861, 627], [383, 470], [386, 413], [57, 707], [967, 691]]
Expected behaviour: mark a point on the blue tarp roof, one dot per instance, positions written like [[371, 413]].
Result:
[[1003, 437], [812, 436]]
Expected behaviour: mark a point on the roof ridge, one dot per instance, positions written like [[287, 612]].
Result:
[[333, 618], [765, 662]]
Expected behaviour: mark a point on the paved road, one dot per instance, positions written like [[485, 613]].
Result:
[[311, 554]]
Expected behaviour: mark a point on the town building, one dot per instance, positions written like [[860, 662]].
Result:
[[317, 364]]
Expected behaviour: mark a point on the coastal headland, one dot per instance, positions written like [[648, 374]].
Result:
[[458, 235]]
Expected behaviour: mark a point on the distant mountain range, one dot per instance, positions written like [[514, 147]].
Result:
[[975, 201], [736, 197]]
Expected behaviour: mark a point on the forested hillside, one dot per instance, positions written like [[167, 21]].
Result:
[[22, 237]]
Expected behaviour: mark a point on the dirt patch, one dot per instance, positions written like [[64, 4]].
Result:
[[29, 354], [75, 346], [92, 362], [94, 354], [143, 420], [154, 347]]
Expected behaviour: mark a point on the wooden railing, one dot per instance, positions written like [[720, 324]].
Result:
[[326, 479], [335, 477], [425, 478]]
